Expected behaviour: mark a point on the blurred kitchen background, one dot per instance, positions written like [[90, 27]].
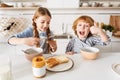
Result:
[[16, 15]]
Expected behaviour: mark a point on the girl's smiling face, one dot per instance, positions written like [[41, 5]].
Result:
[[82, 29], [43, 23]]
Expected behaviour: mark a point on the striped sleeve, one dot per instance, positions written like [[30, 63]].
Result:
[[70, 46], [98, 41]]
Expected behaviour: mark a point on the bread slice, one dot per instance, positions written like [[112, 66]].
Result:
[[51, 62], [62, 59], [56, 60]]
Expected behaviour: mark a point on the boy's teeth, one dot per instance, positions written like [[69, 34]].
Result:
[[82, 33]]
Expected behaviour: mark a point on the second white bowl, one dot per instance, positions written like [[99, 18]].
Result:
[[89, 53]]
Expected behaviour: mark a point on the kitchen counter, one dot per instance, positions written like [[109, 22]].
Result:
[[99, 69], [63, 36]]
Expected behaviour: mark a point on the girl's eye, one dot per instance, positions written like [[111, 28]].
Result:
[[42, 22]]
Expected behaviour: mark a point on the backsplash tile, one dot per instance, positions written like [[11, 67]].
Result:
[[12, 25]]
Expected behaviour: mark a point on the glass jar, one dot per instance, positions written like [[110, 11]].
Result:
[[38, 66]]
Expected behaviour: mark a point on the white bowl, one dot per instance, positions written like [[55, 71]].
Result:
[[89, 53], [32, 52]]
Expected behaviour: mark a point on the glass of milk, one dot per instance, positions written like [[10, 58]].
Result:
[[5, 68]]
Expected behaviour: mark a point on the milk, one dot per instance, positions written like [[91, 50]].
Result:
[[5, 72]]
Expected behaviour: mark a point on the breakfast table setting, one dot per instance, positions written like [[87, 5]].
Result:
[[105, 67]]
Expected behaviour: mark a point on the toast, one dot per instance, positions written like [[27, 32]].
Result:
[[51, 62], [62, 59], [56, 60]]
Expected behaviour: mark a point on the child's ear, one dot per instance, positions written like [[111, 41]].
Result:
[[35, 20]]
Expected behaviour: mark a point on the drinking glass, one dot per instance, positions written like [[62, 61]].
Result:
[[64, 28], [5, 67]]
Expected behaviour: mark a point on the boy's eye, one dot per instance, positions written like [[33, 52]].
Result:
[[79, 25], [48, 22], [86, 26]]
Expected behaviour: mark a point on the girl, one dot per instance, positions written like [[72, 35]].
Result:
[[84, 27], [39, 34]]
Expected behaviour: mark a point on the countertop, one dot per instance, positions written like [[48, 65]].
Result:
[[63, 36], [99, 69]]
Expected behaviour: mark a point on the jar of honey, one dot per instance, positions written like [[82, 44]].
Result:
[[38, 66]]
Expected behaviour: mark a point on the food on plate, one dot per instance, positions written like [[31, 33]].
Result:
[[62, 59], [51, 62], [56, 60]]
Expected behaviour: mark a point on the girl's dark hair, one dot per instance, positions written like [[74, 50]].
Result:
[[41, 11], [87, 19]]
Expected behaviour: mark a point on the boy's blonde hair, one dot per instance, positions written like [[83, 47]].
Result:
[[87, 19], [41, 11]]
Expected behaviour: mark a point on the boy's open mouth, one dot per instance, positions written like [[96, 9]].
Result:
[[82, 32]]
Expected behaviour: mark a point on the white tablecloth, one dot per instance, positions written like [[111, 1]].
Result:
[[99, 69]]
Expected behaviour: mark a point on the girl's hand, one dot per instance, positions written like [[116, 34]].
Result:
[[70, 53], [31, 41], [53, 45]]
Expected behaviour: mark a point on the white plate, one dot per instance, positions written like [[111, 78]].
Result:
[[116, 68], [62, 67]]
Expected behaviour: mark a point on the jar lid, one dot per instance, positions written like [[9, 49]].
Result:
[[38, 61]]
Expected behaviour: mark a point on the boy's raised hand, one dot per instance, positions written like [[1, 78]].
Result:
[[95, 30]]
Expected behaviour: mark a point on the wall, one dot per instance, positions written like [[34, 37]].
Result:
[[66, 21], [62, 17]]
